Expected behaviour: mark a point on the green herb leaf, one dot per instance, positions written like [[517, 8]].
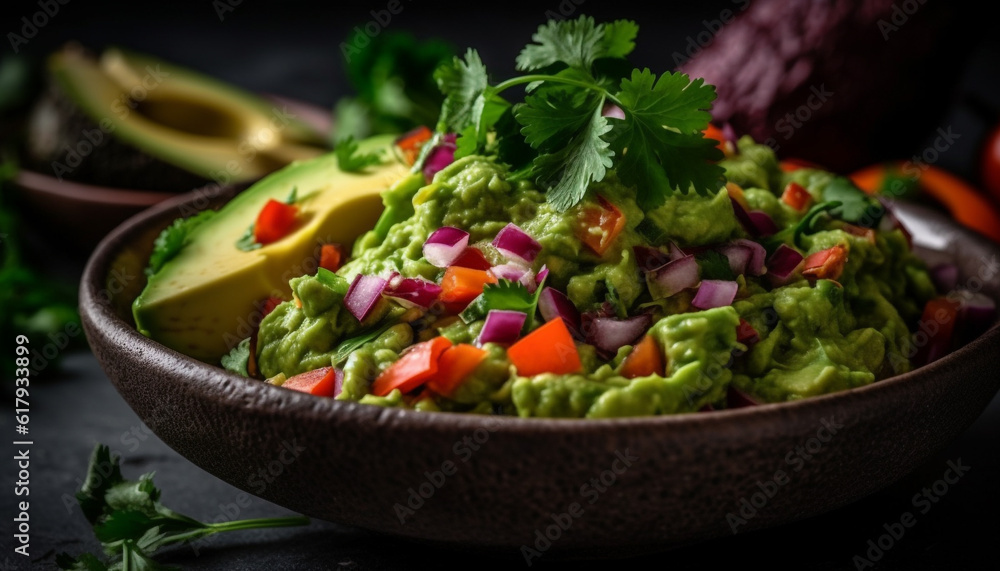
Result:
[[238, 359], [855, 205], [715, 266], [348, 346], [504, 294], [173, 238], [350, 160], [462, 82], [293, 196], [336, 282], [247, 242], [619, 38], [660, 140], [85, 562], [576, 43], [809, 222]]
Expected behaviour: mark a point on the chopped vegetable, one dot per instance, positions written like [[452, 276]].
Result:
[[945, 277], [517, 244], [440, 156], [715, 293], [736, 398], [411, 143], [599, 225], [796, 196], [673, 277], [418, 365], [323, 382], [977, 313], [938, 326], [501, 326], [331, 257], [746, 334], [412, 292], [472, 258], [559, 355], [445, 245], [826, 264], [364, 293], [454, 366], [645, 359], [783, 262], [554, 304], [649, 259], [274, 222], [762, 222], [462, 285], [608, 334]]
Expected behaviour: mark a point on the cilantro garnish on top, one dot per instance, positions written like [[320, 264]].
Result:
[[559, 135]]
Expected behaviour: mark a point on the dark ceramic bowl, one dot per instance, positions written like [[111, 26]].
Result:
[[595, 487]]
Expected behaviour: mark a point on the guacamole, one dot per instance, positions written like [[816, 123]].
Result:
[[779, 286]]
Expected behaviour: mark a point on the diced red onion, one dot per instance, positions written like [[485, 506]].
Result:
[[756, 265], [783, 262], [338, 382], [412, 292], [553, 303], [364, 293], [715, 293], [609, 334], [673, 277], [976, 314], [515, 273], [542, 274], [736, 398], [763, 222], [676, 252], [444, 245], [743, 217], [502, 326], [648, 259], [945, 277], [516, 243], [613, 111], [442, 155], [729, 133], [739, 257]]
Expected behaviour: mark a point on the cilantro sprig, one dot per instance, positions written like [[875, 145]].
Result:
[[132, 524], [573, 70]]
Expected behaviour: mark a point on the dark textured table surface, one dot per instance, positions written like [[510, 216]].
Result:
[[252, 46]]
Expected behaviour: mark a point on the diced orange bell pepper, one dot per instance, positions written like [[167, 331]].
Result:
[[548, 349], [604, 216], [826, 264], [644, 360], [462, 285], [414, 368], [411, 142], [320, 382], [455, 364], [796, 196]]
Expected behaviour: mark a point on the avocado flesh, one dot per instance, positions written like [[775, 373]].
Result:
[[160, 127], [205, 300]]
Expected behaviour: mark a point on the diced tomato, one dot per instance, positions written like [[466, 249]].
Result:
[[548, 349], [414, 368], [938, 324], [826, 264], [792, 165], [867, 233], [645, 359], [745, 333], [411, 142], [604, 216], [472, 258], [796, 196], [274, 222], [455, 364], [320, 382], [331, 257], [462, 285]]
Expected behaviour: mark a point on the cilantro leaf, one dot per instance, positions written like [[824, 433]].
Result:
[[348, 346], [486, 111], [504, 294], [132, 524], [575, 42], [350, 160], [568, 128], [461, 81], [660, 140], [715, 266], [619, 38], [173, 238], [236, 361], [855, 205]]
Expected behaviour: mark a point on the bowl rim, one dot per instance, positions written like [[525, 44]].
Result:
[[96, 309]]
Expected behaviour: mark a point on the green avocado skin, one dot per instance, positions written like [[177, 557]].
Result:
[[814, 338]]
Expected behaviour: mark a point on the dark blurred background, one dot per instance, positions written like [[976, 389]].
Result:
[[932, 67]]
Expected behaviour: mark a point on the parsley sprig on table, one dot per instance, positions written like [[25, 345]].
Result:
[[132, 524], [560, 137]]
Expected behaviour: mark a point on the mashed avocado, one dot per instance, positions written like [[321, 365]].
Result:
[[823, 328]]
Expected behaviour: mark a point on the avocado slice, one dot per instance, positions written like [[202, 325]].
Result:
[[130, 120], [207, 298]]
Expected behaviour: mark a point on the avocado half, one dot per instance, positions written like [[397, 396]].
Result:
[[129, 120], [206, 299]]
